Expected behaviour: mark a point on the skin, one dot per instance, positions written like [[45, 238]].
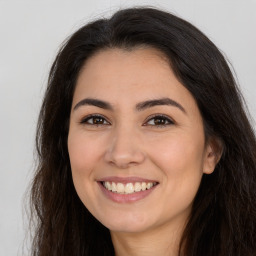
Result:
[[129, 143]]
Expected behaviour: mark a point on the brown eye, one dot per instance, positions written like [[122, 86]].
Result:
[[95, 120], [98, 120], [159, 121]]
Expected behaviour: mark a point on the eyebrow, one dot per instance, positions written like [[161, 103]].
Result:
[[139, 107], [159, 102], [94, 102]]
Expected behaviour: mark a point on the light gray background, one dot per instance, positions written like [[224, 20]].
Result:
[[30, 34]]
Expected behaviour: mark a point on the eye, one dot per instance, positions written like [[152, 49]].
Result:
[[95, 120], [159, 121]]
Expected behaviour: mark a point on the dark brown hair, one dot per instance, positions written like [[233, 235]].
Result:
[[223, 217]]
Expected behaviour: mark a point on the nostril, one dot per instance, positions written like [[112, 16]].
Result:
[[124, 158]]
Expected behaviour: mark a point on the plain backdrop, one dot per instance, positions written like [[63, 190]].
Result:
[[30, 34]]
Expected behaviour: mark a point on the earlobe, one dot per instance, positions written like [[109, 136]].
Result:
[[213, 153]]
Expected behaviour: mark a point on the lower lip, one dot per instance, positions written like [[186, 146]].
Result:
[[126, 198]]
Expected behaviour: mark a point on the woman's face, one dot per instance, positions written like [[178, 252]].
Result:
[[136, 141]]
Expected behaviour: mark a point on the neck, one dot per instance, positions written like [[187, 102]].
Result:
[[161, 241]]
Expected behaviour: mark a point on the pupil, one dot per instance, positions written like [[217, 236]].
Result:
[[159, 121], [97, 120]]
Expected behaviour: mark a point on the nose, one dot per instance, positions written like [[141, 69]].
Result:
[[124, 149]]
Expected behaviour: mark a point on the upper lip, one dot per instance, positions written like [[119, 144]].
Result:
[[125, 180]]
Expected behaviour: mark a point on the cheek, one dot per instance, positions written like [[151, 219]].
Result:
[[84, 156], [178, 153], [180, 161], [83, 153]]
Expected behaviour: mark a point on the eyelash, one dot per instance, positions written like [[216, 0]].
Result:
[[160, 117], [86, 119], [157, 116]]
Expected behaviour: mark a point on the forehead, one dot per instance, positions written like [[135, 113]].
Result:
[[122, 62], [129, 76]]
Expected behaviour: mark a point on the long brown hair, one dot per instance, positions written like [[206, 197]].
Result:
[[223, 217]]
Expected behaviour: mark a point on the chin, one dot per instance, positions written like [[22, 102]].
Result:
[[131, 223], [128, 228]]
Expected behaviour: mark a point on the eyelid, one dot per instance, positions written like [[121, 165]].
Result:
[[88, 117], [169, 119]]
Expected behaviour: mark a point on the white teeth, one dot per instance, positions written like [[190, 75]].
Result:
[[120, 188], [137, 187], [143, 186], [108, 185], [128, 188], [114, 189], [149, 185]]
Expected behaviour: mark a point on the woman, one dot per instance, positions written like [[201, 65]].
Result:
[[144, 145]]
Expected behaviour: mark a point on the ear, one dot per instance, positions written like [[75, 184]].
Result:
[[213, 153]]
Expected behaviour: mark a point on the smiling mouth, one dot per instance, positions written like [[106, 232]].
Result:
[[128, 188]]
